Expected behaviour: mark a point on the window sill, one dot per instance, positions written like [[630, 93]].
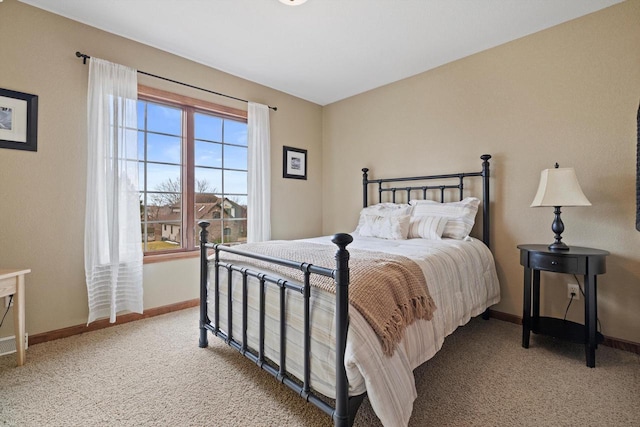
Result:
[[153, 258]]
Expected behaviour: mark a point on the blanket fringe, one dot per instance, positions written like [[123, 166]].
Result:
[[404, 315]]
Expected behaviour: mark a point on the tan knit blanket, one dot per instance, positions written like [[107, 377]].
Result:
[[390, 291]]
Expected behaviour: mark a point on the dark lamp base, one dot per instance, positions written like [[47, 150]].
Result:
[[558, 246], [557, 227]]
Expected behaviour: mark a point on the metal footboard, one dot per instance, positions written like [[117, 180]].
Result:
[[342, 413]]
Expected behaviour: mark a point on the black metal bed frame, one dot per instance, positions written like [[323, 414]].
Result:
[[345, 408]]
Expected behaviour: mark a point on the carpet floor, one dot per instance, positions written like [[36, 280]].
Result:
[[152, 373]]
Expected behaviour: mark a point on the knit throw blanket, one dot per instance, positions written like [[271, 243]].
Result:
[[390, 291]]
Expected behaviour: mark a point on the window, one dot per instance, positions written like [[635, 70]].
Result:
[[192, 167]]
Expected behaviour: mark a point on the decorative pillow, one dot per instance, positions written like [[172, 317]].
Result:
[[460, 215], [385, 210], [426, 227], [385, 227]]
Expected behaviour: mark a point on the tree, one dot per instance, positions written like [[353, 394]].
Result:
[[169, 192], [203, 186]]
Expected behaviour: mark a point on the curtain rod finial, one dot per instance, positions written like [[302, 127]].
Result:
[[83, 56]]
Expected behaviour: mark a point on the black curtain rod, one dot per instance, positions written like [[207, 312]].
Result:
[[85, 57]]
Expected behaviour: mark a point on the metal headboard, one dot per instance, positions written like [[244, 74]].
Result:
[[442, 186]]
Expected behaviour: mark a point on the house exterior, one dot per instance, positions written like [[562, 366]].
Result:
[[228, 220]]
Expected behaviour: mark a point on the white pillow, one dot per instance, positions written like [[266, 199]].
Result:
[[426, 227], [460, 215], [385, 227], [384, 209]]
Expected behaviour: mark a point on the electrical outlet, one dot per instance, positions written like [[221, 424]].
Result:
[[574, 289]]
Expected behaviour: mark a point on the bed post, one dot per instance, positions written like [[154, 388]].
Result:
[[365, 181], [486, 234], [486, 220], [341, 413], [204, 271]]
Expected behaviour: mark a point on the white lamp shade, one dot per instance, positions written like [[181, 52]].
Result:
[[292, 2], [559, 187]]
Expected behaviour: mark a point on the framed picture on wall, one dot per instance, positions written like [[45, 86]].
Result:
[[294, 163], [18, 120]]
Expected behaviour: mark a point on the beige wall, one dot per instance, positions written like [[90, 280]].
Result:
[[568, 95], [42, 194]]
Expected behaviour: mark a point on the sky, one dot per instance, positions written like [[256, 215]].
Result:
[[164, 126]]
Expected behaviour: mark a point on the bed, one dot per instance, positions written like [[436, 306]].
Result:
[[336, 324]]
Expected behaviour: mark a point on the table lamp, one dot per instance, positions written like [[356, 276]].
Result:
[[559, 187]]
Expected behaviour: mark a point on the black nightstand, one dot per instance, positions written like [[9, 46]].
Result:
[[585, 261]]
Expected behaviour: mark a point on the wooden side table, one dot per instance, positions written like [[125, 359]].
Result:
[[12, 283], [577, 260]]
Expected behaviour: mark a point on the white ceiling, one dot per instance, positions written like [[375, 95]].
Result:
[[323, 50]]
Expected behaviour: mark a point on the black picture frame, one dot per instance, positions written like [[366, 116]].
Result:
[[294, 163], [18, 120]]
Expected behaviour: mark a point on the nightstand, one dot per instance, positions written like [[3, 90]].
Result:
[[577, 260]]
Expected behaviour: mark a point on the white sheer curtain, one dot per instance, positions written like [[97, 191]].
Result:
[[259, 185], [113, 242]]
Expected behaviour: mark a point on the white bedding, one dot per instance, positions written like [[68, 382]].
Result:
[[462, 280]]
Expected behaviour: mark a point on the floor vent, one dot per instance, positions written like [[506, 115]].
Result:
[[8, 344]]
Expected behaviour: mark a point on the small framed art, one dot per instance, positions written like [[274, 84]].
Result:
[[18, 120], [294, 163]]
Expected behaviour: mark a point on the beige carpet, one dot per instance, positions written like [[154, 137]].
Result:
[[152, 373]]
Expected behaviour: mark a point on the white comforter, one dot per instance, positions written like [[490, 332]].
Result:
[[462, 280]]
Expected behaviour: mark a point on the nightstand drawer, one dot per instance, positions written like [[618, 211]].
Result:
[[552, 262]]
